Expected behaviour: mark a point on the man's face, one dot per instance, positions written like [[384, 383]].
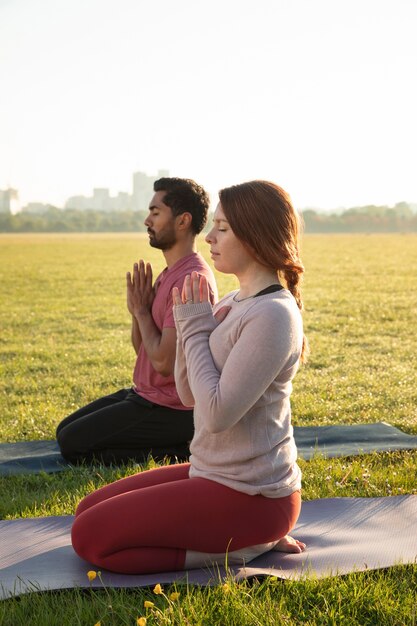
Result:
[[160, 223]]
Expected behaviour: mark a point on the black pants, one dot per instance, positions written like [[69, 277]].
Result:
[[122, 427]]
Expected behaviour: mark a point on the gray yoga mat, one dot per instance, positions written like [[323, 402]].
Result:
[[342, 535], [350, 440], [30, 457]]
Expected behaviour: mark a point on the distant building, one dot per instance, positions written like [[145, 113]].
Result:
[[36, 208], [79, 203], [123, 201], [9, 201], [101, 200], [143, 189]]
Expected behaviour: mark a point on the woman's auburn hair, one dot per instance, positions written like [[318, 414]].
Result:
[[262, 217]]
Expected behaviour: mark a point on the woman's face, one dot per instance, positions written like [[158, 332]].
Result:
[[228, 253]]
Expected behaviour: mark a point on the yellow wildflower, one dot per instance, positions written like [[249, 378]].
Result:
[[158, 589], [174, 596], [148, 604], [91, 575], [141, 621], [97, 624], [226, 588]]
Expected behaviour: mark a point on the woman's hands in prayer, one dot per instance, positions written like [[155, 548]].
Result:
[[194, 290]]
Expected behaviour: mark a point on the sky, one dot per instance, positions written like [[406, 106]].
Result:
[[318, 96]]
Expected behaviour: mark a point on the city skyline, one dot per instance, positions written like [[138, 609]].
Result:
[[138, 200], [101, 200], [318, 97]]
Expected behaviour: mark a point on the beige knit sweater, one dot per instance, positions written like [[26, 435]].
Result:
[[237, 375]]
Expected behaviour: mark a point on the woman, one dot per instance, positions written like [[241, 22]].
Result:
[[240, 493]]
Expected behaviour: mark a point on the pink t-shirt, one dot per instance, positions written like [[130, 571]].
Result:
[[148, 383]]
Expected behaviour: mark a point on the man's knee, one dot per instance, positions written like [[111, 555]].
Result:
[[68, 446]]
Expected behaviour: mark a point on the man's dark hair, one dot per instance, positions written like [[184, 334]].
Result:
[[183, 195]]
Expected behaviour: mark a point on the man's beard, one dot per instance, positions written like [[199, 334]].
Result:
[[165, 240]]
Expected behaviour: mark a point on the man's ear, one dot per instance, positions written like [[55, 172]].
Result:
[[184, 221]]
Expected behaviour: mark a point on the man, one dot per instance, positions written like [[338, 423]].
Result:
[[148, 418]]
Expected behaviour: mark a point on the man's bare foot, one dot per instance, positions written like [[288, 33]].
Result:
[[289, 544]]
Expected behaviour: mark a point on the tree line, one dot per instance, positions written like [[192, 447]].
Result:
[[55, 220], [367, 219]]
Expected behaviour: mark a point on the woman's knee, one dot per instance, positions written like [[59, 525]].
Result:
[[84, 504], [84, 539]]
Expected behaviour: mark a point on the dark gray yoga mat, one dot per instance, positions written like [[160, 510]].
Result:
[[342, 535], [29, 457], [350, 440]]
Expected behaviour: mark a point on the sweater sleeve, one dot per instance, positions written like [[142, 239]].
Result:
[[180, 374], [184, 311], [268, 342]]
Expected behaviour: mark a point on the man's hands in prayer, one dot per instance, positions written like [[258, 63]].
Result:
[[140, 291]]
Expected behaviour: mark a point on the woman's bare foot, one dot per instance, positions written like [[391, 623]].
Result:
[[289, 544]]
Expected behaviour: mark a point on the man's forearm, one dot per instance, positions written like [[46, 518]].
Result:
[[136, 335], [162, 360]]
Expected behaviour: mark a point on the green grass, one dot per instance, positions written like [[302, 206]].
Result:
[[64, 341], [361, 307], [370, 598]]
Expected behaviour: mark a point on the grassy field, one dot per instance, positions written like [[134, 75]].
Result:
[[64, 340]]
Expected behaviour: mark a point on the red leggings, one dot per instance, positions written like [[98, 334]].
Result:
[[146, 523]]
